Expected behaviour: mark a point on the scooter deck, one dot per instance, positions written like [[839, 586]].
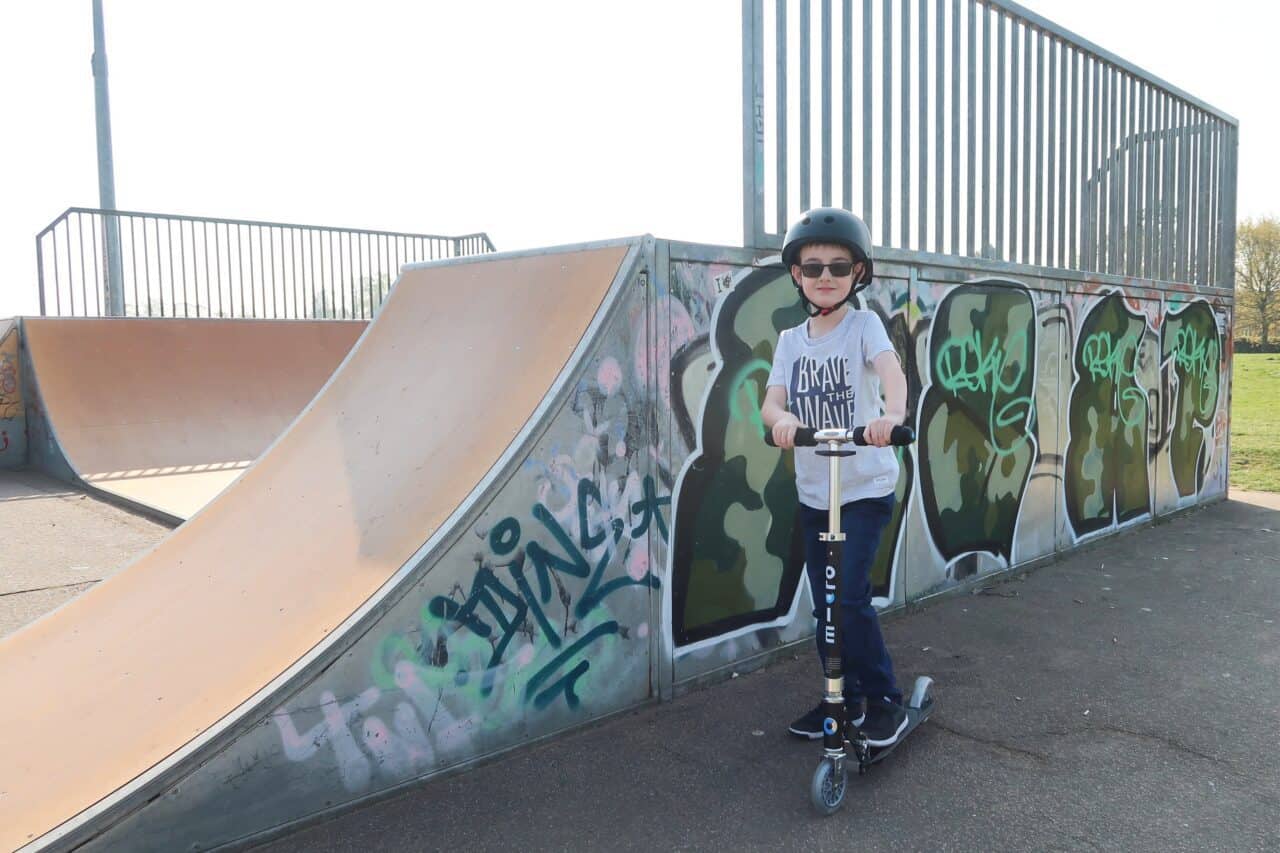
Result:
[[915, 716]]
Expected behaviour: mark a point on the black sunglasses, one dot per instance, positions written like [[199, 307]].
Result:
[[839, 269]]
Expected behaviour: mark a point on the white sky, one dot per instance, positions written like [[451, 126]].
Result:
[[539, 122]]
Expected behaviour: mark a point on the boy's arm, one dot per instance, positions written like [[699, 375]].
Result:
[[777, 419], [894, 385]]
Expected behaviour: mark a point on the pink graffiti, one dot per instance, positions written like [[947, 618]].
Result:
[[609, 376], [557, 487], [401, 753], [333, 729], [397, 751], [638, 563], [680, 333]]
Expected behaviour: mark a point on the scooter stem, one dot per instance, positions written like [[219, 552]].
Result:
[[833, 695], [833, 494]]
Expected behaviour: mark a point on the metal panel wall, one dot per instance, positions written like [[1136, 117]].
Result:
[[1051, 409]]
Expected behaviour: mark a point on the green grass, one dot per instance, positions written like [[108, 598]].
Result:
[[1255, 422]]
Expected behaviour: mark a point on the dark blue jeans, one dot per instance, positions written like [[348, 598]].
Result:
[[868, 672]]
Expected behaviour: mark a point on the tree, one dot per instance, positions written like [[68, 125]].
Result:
[[1258, 275], [371, 293]]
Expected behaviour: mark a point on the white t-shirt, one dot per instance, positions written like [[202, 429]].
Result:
[[831, 384]]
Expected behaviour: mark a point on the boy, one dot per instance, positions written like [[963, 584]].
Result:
[[824, 376]]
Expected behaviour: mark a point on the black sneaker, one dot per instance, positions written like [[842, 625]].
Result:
[[809, 726], [886, 721]]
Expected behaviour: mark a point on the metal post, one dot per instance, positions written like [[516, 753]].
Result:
[[106, 170], [40, 274], [753, 122]]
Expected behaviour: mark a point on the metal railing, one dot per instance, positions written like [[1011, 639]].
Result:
[[186, 266], [994, 133]]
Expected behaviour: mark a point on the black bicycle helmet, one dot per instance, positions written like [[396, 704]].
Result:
[[830, 225]]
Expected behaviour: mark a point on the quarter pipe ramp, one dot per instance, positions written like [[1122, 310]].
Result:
[[187, 683], [164, 414]]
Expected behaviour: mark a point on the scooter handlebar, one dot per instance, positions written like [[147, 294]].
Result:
[[809, 437]]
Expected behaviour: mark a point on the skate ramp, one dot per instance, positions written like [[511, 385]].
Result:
[[149, 672], [163, 414]]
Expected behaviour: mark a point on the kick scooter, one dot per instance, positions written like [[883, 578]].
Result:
[[830, 779]]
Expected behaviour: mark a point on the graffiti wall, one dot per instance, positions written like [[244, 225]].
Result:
[[645, 537], [1048, 412], [737, 584], [13, 420]]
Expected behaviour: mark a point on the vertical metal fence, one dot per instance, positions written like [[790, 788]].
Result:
[[984, 130], [183, 266]]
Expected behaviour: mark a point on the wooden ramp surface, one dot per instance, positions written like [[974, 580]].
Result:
[[167, 413], [103, 689]]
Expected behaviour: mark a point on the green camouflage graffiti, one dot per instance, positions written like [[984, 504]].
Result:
[[977, 417], [736, 550], [737, 560], [1191, 353], [1107, 480], [896, 325]]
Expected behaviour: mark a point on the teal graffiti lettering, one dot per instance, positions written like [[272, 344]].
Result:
[[1197, 355], [462, 639], [1106, 357], [744, 383], [649, 508], [994, 368]]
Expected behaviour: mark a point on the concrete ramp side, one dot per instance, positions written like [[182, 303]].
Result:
[[242, 640], [163, 414]]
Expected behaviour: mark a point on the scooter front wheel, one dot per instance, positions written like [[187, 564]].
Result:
[[828, 787]]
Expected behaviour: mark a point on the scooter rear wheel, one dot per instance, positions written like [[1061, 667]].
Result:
[[828, 787], [922, 694]]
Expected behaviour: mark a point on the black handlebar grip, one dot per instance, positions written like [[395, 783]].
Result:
[[900, 435], [804, 437]]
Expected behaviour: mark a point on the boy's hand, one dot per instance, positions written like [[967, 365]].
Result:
[[784, 431], [879, 431]]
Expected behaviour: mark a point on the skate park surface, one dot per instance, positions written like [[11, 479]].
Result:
[[450, 583], [1124, 698]]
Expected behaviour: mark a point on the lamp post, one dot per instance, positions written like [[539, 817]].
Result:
[[106, 170]]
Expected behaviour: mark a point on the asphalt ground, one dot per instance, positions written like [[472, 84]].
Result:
[[1124, 698], [56, 542]]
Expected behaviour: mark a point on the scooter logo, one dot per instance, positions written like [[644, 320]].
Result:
[[829, 726], [830, 631]]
